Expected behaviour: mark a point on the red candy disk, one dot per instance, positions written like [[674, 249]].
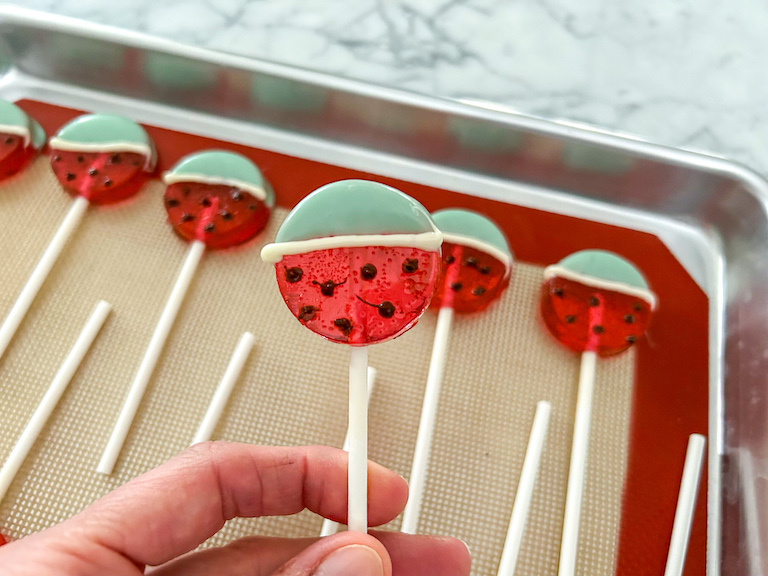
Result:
[[470, 279], [99, 177], [217, 214], [586, 318], [3, 540], [359, 295], [14, 155]]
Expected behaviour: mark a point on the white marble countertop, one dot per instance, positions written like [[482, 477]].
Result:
[[687, 73]]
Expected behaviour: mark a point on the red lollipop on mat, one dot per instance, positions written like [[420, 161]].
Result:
[[21, 138], [100, 159], [215, 199], [356, 263], [596, 303], [476, 267]]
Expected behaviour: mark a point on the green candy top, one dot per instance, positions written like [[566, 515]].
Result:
[[222, 167], [352, 213], [105, 133], [13, 120], [604, 270], [474, 230]]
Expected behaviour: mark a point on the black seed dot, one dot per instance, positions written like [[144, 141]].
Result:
[[449, 259], [386, 309], [368, 271], [410, 265], [344, 325], [115, 159], [631, 338], [185, 190], [637, 307], [327, 287], [107, 182], [93, 171], [307, 313], [629, 319], [135, 163], [485, 269], [9, 140], [570, 319], [294, 274], [478, 290], [456, 286], [57, 158], [80, 159], [69, 176], [236, 195], [209, 227], [471, 262], [593, 301], [252, 207], [558, 292], [226, 215], [187, 217], [172, 203], [597, 329], [205, 201]]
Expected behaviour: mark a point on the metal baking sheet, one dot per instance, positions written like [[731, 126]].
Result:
[[709, 212]]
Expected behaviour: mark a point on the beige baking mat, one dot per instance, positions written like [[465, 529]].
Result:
[[293, 389]]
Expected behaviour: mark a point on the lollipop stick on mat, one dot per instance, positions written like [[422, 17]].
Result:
[[357, 508], [427, 422], [329, 526], [60, 382], [42, 270], [578, 465], [228, 381], [525, 490], [151, 356], [686, 501]]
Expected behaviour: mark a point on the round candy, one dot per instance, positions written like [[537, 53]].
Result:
[[357, 261], [477, 261], [217, 197], [102, 157], [21, 138], [596, 301]]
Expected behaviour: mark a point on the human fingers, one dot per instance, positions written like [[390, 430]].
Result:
[[174, 508], [258, 556]]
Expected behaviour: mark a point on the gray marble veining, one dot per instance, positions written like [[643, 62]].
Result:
[[687, 73]]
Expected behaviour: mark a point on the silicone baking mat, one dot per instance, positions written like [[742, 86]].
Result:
[[293, 389]]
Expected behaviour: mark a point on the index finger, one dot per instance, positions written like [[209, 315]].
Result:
[[177, 506]]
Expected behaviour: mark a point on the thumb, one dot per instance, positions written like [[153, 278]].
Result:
[[345, 554]]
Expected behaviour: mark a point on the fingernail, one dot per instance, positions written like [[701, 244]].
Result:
[[355, 560]]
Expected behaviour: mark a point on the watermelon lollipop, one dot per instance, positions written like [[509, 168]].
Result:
[[593, 302], [103, 158], [476, 267], [215, 199], [99, 158], [21, 138], [356, 263]]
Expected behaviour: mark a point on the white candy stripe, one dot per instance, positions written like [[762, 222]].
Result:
[[429, 241], [489, 249], [173, 177], [621, 287]]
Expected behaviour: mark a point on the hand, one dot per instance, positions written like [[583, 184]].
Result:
[[159, 518]]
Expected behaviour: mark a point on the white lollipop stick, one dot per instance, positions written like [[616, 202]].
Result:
[[151, 356], [427, 422], [357, 507], [227, 384], [60, 382], [686, 500], [329, 526], [525, 490], [42, 270], [578, 466]]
